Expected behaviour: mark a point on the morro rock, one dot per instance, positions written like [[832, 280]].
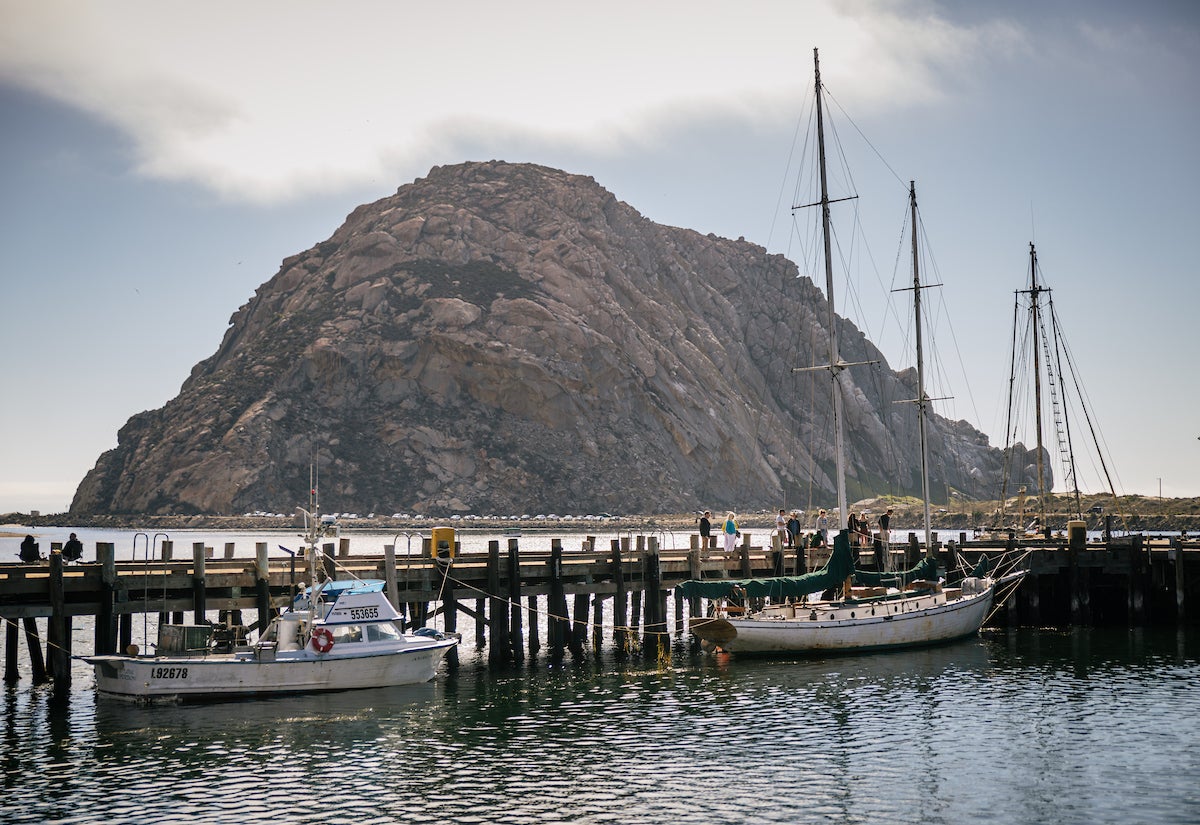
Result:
[[503, 338]]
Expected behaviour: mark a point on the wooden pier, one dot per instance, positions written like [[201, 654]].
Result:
[[522, 600]]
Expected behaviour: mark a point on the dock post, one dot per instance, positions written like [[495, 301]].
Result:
[[1138, 574], [106, 620], [389, 575], [11, 672], [343, 548], [34, 644], [694, 572], [199, 595], [58, 628], [597, 623], [654, 639], [125, 630], [620, 602], [229, 549], [1180, 581], [636, 592], [498, 618], [1081, 613], [450, 621], [328, 562], [556, 608], [262, 589], [168, 547], [535, 643], [579, 622], [480, 621], [164, 616], [516, 633]]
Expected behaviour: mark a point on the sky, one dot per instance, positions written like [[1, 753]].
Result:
[[160, 160]]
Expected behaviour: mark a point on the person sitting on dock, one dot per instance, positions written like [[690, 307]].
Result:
[[29, 551], [73, 549]]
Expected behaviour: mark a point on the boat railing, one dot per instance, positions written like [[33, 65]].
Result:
[[662, 534], [408, 536]]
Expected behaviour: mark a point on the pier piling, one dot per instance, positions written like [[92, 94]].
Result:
[[199, 597], [499, 650], [515, 632], [58, 629]]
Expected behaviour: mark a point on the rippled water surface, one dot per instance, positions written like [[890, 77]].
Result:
[[1079, 726]]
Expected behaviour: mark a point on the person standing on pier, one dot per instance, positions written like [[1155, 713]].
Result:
[[823, 527], [730, 531], [706, 529], [793, 528]]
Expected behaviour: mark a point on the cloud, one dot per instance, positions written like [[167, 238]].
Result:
[[268, 101]]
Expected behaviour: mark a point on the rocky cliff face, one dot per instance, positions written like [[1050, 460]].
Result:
[[511, 338]]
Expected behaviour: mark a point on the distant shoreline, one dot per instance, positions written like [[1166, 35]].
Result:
[[1135, 514]]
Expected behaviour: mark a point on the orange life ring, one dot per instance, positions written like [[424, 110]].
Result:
[[322, 640]]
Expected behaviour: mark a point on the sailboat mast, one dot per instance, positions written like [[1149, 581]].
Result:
[[922, 398], [314, 516], [1035, 293], [834, 369]]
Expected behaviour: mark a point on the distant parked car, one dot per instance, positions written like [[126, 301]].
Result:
[[1096, 508]]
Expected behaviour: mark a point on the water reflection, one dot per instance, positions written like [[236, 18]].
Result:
[[1017, 726]]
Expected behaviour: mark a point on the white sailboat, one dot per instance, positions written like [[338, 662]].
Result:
[[338, 635], [901, 610]]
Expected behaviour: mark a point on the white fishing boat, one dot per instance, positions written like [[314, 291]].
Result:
[[887, 610], [339, 635]]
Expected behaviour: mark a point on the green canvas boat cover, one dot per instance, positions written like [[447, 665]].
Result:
[[833, 574], [926, 570]]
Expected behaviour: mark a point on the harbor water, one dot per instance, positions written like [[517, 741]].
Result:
[[1024, 726], [1015, 726]]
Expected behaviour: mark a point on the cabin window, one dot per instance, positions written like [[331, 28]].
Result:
[[383, 632], [343, 634]]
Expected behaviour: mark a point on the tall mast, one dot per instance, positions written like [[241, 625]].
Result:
[[1035, 294], [834, 359], [922, 398], [313, 537]]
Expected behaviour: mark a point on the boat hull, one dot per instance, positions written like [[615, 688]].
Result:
[[216, 676], [909, 622]]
